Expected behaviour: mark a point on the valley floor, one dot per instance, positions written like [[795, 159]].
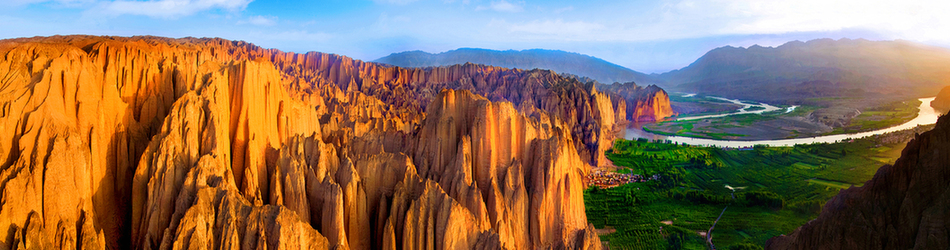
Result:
[[789, 122], [769, 191]]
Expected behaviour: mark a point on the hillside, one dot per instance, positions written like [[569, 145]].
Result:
[[822, 68], [556, 60], [903, 207], [942, 101]]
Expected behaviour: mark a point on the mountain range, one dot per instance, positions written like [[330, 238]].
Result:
[[556, 60], [817, 68], [792, 72]]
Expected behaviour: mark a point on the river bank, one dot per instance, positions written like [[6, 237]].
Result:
[[925, 115]]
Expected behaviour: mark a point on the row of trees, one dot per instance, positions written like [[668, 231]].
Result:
[[752, 199]]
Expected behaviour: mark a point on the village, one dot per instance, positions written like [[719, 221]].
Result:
[[609, 179]]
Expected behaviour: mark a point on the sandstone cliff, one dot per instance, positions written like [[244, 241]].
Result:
[[644, 104], [942, 102], [147, 142], [905, 206]]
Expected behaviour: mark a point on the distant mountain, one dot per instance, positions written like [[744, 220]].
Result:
[[556, 60], [817, 68]]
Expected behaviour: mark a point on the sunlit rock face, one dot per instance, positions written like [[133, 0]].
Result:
[[942, 102], [905, 206], [148, 142], [643, 104]]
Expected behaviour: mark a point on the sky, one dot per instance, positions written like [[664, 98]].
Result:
[[646, 36]]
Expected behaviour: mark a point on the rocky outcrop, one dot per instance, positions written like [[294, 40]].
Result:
[[653, 104], [516, 172], [942, 101], [185, 194], [151, 142], [407, 90], [644, 104], [903, 207]]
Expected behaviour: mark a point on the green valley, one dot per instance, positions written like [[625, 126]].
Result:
[[776, 189], [802, 121]]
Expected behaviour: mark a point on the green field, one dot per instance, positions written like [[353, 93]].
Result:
[[706, 128], [881, 117], [715, 128], [777, 190]]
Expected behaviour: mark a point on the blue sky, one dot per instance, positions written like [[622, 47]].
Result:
[[647, 36]]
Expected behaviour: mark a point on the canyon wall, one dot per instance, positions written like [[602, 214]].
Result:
[[905, 205], [148, 142]]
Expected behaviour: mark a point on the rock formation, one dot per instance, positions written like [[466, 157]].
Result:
[[905, 205], [942, 102], [148, 142], [644, 104]]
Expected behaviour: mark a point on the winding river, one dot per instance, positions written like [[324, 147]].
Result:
[[926, 115], [744, 110]]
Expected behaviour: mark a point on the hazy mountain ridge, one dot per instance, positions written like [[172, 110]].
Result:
[[556, 60], [817, 68]]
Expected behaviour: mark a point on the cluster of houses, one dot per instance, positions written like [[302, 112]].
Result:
[[607, 179], [746, 148]]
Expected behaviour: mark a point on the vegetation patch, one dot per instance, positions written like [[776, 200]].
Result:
[[769, 191], [884, 116], [713, 128], [834, 184]]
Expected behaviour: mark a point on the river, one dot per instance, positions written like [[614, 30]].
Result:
[[744, 110], [926, 115]]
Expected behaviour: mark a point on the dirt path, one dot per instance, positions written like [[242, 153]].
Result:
[[709, 233]]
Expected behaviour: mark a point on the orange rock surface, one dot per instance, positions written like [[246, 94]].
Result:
[[149, 142], [942, 101], [648, 104]]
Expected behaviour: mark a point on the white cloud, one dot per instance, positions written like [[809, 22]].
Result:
[[501, 6], [260, 21], [167, 8], [63, 3], [918, 20], [912, 19]]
